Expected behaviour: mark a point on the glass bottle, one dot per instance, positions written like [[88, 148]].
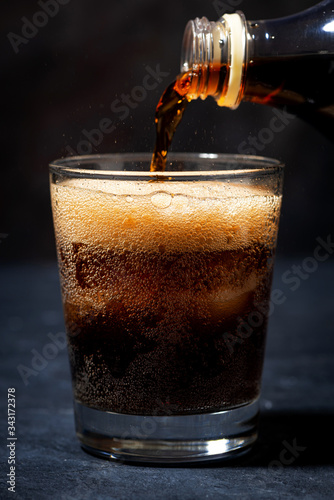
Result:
[[286, 62]]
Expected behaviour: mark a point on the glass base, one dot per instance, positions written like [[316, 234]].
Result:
[[167, 439]]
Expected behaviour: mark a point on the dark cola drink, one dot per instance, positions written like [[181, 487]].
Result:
[[168, 115], [165, 292]]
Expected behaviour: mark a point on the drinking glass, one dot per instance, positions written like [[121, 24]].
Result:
[[165, 282]]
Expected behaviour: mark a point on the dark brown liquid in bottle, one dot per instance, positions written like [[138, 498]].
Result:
[[290, 83], [168, 115], [293, 83]]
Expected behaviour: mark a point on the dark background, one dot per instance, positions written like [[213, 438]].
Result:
[[68, 74], [63, 81]]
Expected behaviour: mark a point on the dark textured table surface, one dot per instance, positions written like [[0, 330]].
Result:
[[293, 457]]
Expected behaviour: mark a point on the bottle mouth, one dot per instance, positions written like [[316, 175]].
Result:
[[213, 57], [202, 52], [188, 48], [198, 44]]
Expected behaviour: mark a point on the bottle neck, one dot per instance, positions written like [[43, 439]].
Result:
[[213, 57], [222, 59]]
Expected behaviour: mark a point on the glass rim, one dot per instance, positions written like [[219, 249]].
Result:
[[252, 164]]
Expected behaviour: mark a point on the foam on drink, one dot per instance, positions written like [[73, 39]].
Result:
[[174, 216]]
